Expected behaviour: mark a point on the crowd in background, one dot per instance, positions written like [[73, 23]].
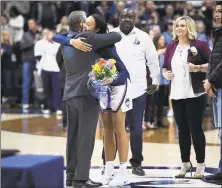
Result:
[[25, 24]]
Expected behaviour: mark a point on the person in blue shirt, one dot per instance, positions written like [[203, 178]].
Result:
[[161, 96], [113, 120]]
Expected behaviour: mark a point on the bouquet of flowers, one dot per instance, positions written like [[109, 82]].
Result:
[[102, 71]]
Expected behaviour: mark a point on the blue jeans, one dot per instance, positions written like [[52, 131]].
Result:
[[217, 107], [134, 120], [27, 75]]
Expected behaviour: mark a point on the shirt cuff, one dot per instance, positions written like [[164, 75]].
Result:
[[155, 82]]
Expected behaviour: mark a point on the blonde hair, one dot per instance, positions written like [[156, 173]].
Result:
[[191, 28], [3, 37]]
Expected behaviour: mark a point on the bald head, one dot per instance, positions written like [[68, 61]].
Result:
[[128, 12], [127, 20]]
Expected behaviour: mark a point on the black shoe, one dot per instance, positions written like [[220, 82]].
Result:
[[160, 125], [69, 183], [215, 179], [89, 183], [137, 170]]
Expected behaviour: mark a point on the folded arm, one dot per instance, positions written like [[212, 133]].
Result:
[[95, 40]]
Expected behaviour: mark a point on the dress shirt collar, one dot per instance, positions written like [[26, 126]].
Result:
[[132, 32]]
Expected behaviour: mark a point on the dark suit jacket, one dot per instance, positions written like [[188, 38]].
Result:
[[78, 64], [202, 58]]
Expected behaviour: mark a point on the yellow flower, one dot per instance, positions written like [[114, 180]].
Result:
[[114, 68], [113, 61], [97, 68]]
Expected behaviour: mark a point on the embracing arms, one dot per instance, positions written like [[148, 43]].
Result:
[[88, 41]]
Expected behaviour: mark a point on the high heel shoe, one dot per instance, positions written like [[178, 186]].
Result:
[[183, 171], [201, 168]]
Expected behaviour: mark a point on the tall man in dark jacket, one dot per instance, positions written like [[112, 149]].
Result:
[[82, 108], [213, 85]]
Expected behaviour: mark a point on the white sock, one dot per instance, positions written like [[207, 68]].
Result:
[[123, 168], [109, 169], [200, 169], [185, 166]]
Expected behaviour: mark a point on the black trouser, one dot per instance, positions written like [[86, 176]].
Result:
[[82, 116], [189, 117], [64, 114], [51, 90], [149, 109], [161, 99], [10, 82]]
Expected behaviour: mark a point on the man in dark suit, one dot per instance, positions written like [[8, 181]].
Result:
[[82, 108], [213, 86]]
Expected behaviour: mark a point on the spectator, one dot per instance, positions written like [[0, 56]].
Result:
[[161, 96], [16, 24], [120, 5], [51, 76], [208, 16], [45, 14], [27, 48], [168, 34], [4, 23], [169, 13], [62, 25], [201, 32], [103, 9], [9, 69]]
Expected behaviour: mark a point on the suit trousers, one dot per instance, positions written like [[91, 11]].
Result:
[[82, 119], [134, 120]]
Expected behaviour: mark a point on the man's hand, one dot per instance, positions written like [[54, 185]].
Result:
[[80, 45], [152, 88], [207, 85], [209, 89], [107, 81], [211, 93]]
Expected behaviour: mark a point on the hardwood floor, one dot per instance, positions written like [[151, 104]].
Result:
[[52, 126]]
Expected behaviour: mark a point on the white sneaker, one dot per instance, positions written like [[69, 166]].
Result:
[[170, 113], [121, 178], [58, 112], [25, 108], [46, 111], [108, 174]]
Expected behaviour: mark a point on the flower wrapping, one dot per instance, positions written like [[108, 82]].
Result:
[[102, 70]]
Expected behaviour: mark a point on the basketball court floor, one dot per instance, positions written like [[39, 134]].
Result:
[[37, 134]]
